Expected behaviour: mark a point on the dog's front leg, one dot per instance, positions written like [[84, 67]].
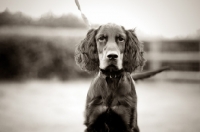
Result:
[[92, 113], [95, 106], [93, 110], [127, 102]]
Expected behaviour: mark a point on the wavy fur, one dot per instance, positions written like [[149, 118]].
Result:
[[133, 54], [86, 54]]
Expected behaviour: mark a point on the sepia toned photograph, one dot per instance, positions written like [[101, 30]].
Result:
[[99, 66]]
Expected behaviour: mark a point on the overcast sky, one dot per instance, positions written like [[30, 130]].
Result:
[[157, 17]]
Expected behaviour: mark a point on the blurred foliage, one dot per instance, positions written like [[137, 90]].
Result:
[[174, 45], [23, 57], [48, 20]]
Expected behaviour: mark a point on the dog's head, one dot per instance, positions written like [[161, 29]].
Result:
[[110, 46]]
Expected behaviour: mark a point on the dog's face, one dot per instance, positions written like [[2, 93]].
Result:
[[110, 46], [110, 40]]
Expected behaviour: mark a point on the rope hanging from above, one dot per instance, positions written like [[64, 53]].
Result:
[[82, 14]]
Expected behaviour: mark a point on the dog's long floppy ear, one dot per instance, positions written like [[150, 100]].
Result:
[[133, 54], [86, 54]]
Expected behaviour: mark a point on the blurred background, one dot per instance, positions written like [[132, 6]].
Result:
[[42, 89]]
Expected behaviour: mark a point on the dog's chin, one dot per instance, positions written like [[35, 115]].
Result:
[[111, 68], [112, 71]]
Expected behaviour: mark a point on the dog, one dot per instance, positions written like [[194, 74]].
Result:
[[112, 53]]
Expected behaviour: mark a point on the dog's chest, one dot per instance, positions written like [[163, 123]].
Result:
[[115, 91], [108, 92]]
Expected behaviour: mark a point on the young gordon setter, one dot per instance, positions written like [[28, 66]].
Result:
[[113, 53]]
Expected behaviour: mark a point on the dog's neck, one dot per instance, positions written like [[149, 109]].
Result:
[[112, 77]]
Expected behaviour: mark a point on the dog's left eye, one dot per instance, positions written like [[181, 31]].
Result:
[[120, 39]]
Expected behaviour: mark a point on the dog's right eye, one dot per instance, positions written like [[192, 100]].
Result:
[[102, 39]]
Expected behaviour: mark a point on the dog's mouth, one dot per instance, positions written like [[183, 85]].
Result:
[[111, 63], [112, 71]]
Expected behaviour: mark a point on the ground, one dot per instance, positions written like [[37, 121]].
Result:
[[50, 106]]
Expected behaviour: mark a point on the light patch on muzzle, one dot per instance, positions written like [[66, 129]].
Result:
[[111, 58]]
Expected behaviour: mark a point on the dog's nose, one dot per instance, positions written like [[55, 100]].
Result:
[[112, 56]]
